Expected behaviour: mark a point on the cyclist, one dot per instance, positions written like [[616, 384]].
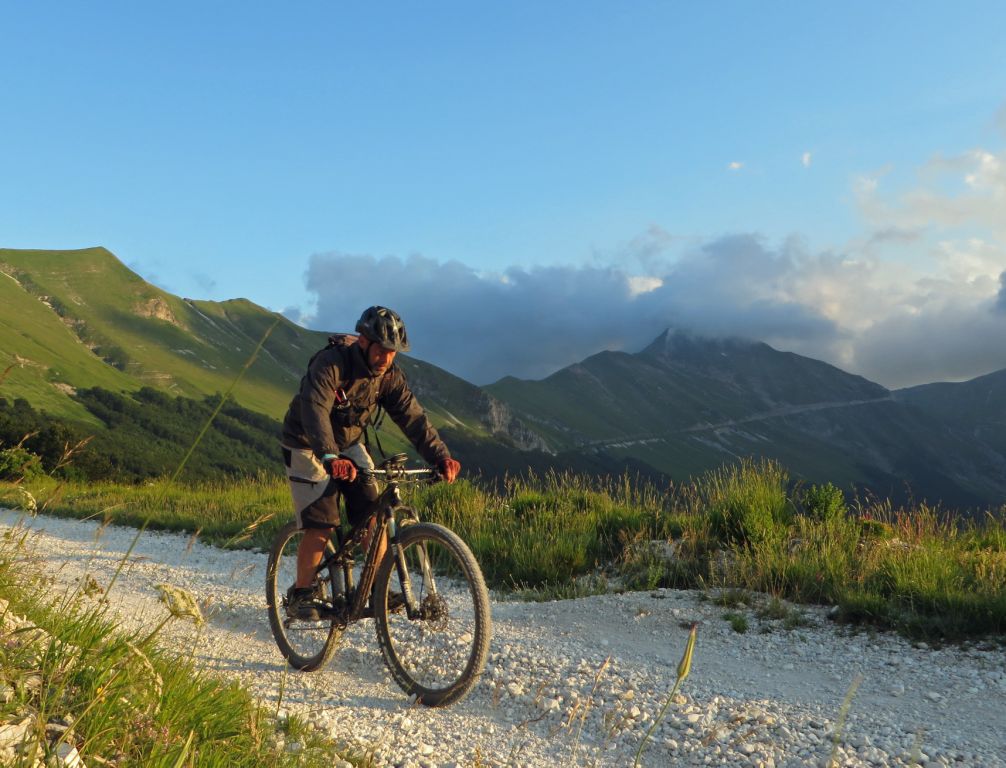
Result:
[[322, 430]]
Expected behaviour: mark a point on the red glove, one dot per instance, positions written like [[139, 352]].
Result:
[[340, 469], [449, 469]]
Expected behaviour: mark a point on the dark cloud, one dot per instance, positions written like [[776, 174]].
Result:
[[951, 342], [531, 322], [1001, 298], [901, 235], [204, 281], [150, 275], [295, 315]]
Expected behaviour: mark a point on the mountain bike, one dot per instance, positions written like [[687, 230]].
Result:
[[427, 595]]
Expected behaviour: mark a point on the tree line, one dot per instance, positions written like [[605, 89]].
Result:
[[146, 434]]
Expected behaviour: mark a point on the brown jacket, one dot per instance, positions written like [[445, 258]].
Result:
[[315, 420]]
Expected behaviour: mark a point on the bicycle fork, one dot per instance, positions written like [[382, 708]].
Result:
[[413, 607]]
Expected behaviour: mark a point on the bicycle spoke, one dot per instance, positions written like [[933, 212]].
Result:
[[306, 644], [438, 653]]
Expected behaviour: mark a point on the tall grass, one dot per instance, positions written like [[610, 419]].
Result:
[[127, 702], [541, 531], [222, 513], [746, 526]]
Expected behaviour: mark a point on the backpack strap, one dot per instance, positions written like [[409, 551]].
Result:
[[373, 427]]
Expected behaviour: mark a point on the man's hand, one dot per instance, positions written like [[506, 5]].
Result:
[[340, 469], [449, 469]]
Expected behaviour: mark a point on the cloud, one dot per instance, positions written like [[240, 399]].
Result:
[[805, 159], [296, 314], [735, 166], [954, 340], [531, 322], [206, 283], [485, 326], [961, 191], [919, 296]]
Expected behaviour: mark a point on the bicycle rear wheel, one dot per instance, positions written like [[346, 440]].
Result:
[[439, 654], [306, 645]]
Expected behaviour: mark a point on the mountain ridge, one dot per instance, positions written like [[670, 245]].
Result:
[[680, 406], [81, 318]]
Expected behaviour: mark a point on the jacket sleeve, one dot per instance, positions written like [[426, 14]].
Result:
[[408, 414], [317, 395]]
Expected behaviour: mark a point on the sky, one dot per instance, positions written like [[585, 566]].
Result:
[[530, 183]]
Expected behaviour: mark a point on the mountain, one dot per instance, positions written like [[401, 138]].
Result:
[[686, 403], [974, 409], [82, 319]]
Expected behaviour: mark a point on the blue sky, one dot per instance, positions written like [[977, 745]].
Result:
[[826, 177]]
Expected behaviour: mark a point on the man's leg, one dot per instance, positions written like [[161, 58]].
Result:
[[316, 505], [309, 554]]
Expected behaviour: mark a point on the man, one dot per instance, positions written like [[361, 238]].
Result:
[[324, 424]]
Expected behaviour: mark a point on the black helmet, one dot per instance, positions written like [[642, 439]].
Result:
[[384, 326]]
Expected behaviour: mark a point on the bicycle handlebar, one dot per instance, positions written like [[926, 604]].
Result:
[[431, 473]]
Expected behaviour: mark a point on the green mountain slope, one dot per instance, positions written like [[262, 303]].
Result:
[[81, 319], [678, 382], [686, 404], [150, 337], [974, 409]]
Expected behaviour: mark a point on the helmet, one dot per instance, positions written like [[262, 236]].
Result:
[[385, 327]]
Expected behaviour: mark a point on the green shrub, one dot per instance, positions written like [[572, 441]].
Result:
[[19, 464], [738, 621], [747, 503], [823, 502], [874, 529]]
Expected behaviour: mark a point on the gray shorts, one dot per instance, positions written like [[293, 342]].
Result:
[[316, 496]]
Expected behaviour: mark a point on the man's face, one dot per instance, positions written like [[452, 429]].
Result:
[[378, 358]]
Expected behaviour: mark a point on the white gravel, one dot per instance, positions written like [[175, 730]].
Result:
[[578, 682]]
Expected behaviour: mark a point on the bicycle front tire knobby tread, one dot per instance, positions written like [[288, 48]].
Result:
[[460, 595]]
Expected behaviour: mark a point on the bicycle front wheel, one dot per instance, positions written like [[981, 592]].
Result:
[[306, 645], [439, 652]]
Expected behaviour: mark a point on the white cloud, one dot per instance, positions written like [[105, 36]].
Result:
[[643, 284], [735, 166], [805, 159], [919, 296]]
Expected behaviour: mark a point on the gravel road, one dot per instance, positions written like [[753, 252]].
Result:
[[578, 682]]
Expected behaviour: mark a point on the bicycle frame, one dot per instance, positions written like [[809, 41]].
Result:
[[434, 643], [386, 504]]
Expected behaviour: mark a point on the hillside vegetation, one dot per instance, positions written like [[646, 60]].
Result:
[[147, 433], [744, 526], [686, 404], [80, 320]]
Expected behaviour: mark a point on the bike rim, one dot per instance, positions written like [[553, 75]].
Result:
[[306, 639], [437, 649]]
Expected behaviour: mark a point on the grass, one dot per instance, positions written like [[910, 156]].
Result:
[[126, 701], [740, 534], [743, 528], [738, 621], [223, 513]]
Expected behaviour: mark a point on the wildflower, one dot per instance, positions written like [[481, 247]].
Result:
[[28, 502], [181, 603]]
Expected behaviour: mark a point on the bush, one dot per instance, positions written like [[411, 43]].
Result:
[[18, 464], [747, 503], [824, 503]]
